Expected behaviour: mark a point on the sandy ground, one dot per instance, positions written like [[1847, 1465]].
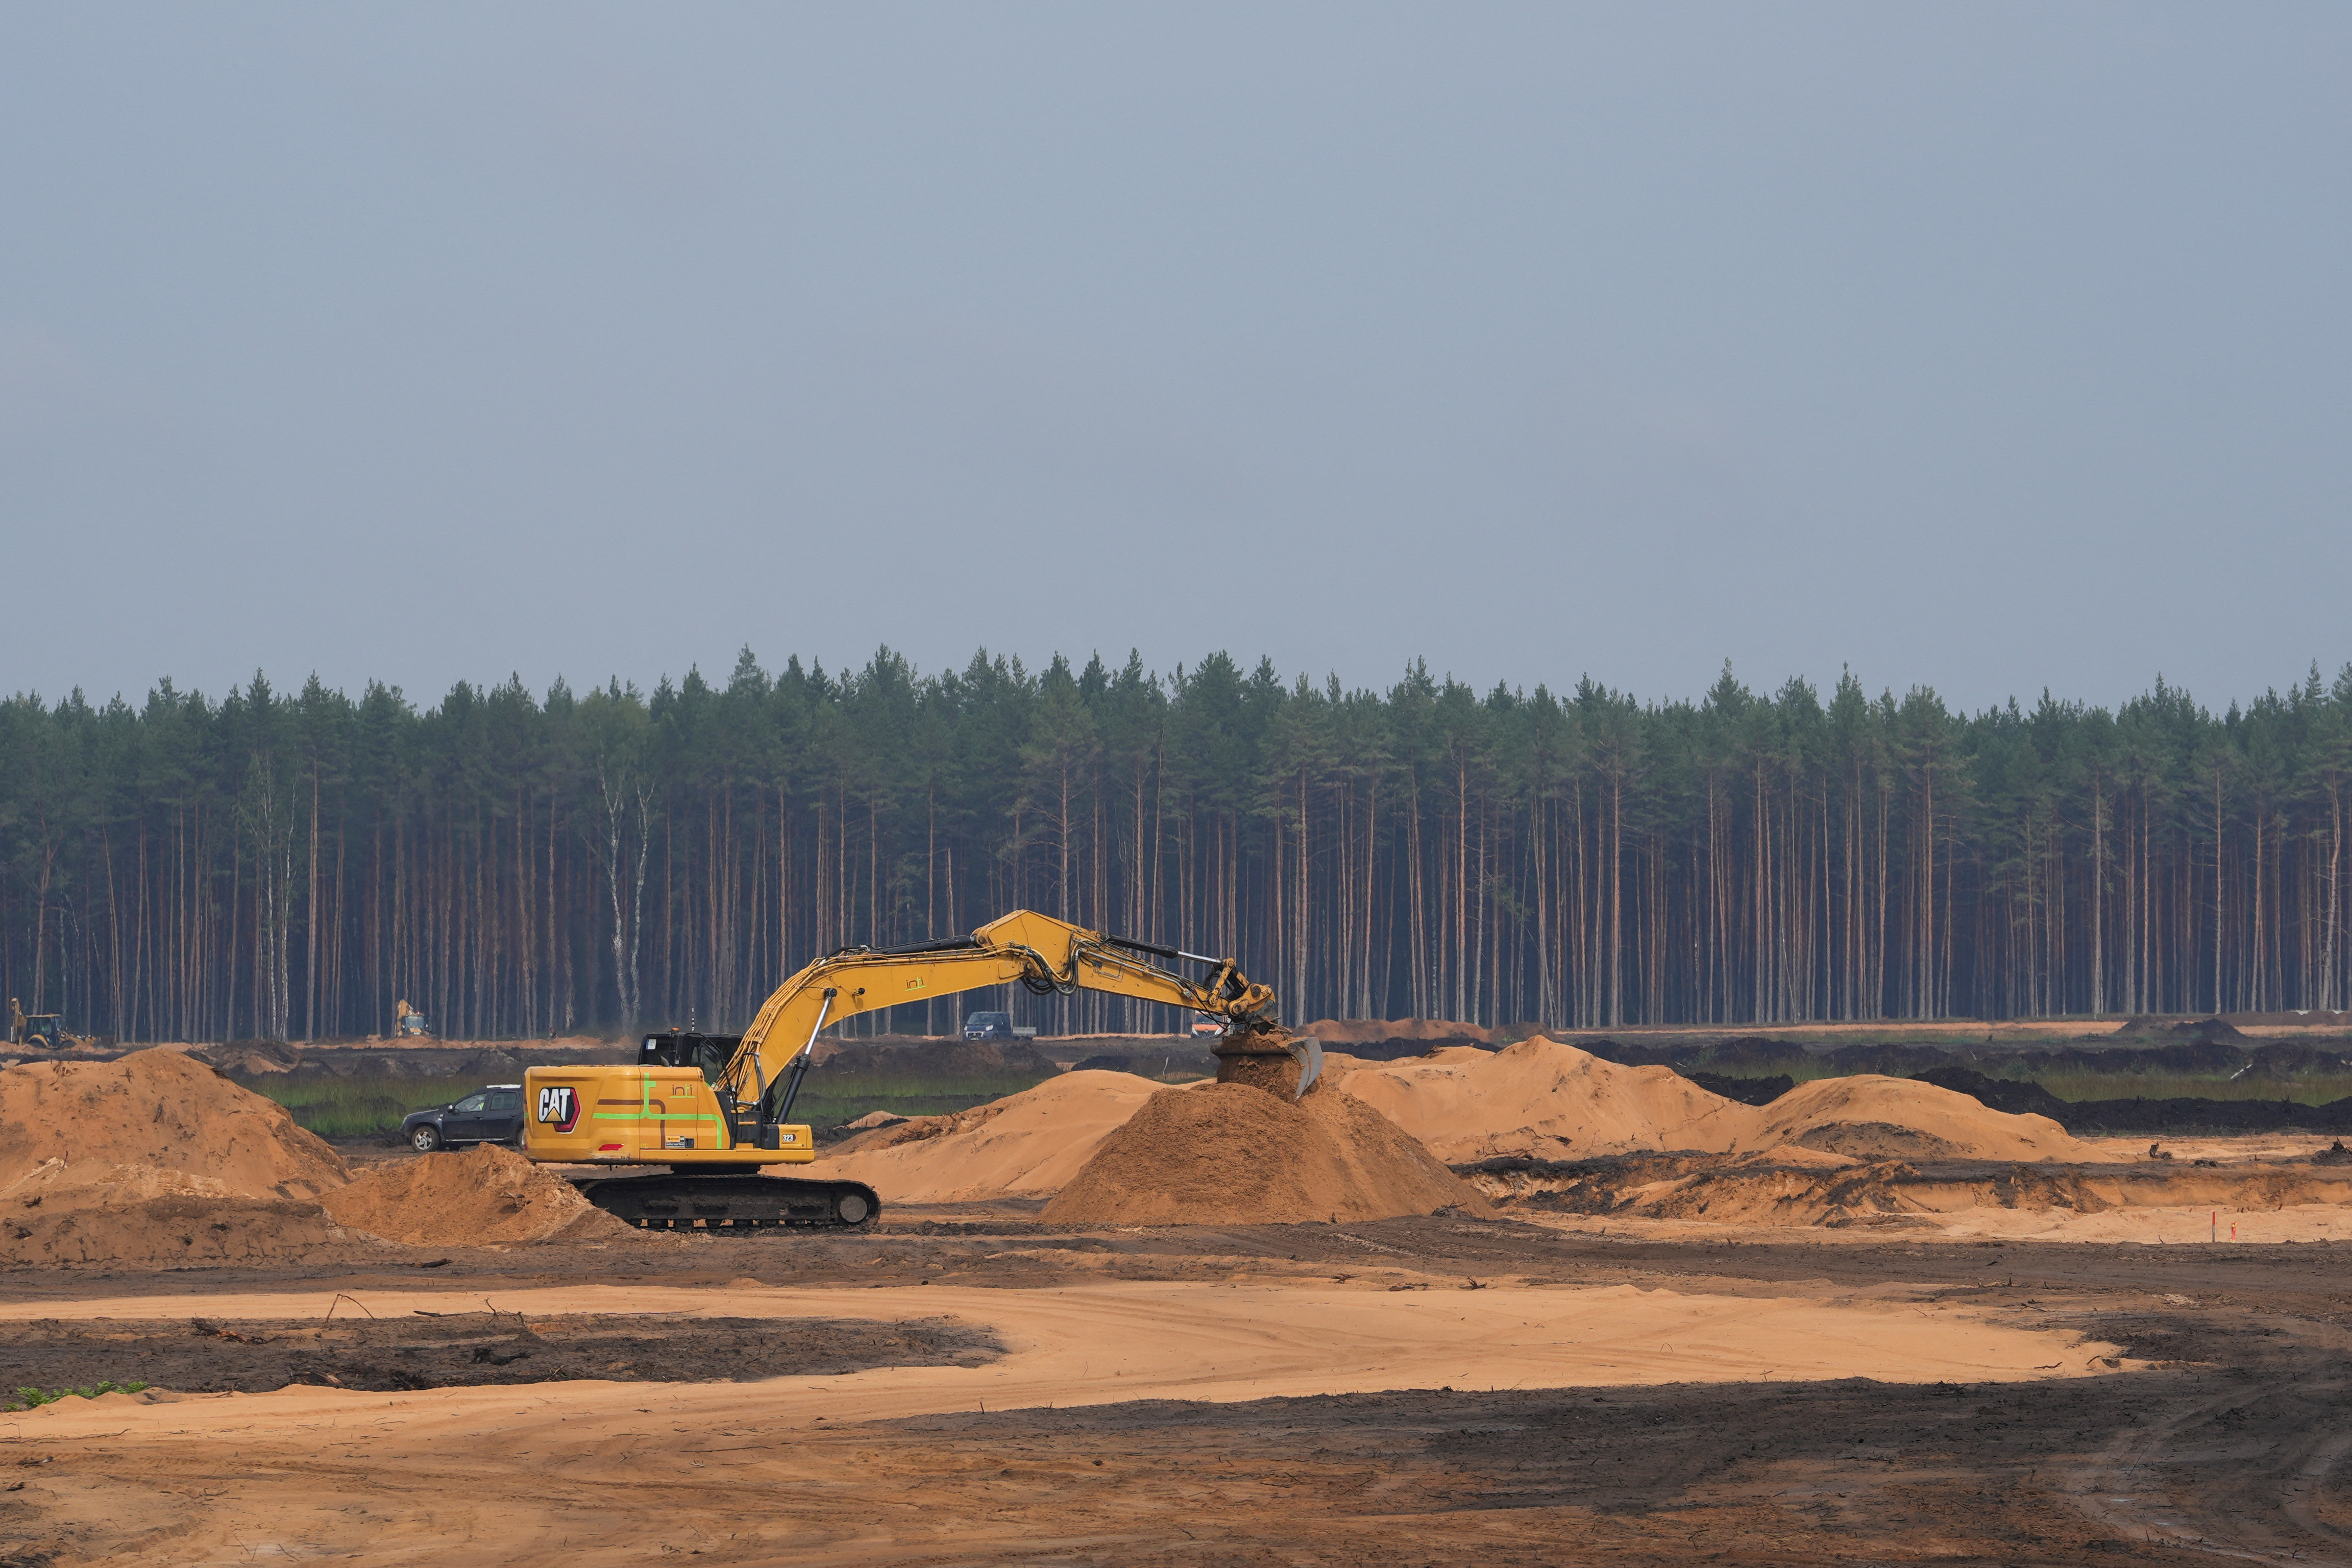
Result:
[[1904, 1376], [2137, 1227], [1094, 1344], [2242, 1148], [1273, 1392]]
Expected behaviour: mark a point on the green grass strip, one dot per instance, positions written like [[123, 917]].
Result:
[[33, 1398]]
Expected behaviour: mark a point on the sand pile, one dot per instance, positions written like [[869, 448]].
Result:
[[1546, 1100], [1227, 1154], [486, 1196], [1212, 1157], [1025, 1145], [1543, 1099], [157, 1108], [155, 1160], [136, 1216], [1874, 1118]]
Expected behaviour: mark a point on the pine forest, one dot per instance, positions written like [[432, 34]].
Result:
[[288, 867]]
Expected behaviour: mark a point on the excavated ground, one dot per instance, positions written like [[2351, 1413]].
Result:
[[2233, 1458], [2231, 1443], [464, 1350]]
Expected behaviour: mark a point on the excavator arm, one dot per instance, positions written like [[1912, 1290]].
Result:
[[1046, 955]]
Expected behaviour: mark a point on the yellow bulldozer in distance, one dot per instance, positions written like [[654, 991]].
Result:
[[716, 1110]]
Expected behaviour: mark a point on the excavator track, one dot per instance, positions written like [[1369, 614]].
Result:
[[732, 1205]]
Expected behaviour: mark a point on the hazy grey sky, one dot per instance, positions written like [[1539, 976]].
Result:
[[1984, 347]]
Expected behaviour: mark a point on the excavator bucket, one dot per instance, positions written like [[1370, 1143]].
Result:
[[1308, 1052], [1282, 1064]]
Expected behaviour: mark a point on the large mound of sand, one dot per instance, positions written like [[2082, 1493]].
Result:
[[1543, 1099], [86, 1212], [1227, 1154], [155, 1160], [1874, 1118], [1539, 1098], [157, 1108], [1552, 1101], [1026, 1145], [486, 1196]]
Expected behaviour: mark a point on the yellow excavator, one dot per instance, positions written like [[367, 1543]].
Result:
[[716, 1110]]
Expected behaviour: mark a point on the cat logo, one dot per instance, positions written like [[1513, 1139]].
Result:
[[560, 1109]]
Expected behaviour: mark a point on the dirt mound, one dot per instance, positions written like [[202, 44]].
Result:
[[1227, 1154], [1537, 1099], [486, 1196], [1872, 1117], [2018, 1097], [2155, 1029], [157, 1108], [1546, 1100], [1025, 1145], [137, 1215]]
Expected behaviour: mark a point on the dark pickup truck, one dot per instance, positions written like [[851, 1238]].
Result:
[[492, 1115]]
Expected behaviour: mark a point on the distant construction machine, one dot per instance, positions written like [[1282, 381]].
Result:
[[407, 1020], [716, 1110], [39, 1029]]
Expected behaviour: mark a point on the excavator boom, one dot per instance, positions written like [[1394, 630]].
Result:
[[720, 1123], [1046, 955]]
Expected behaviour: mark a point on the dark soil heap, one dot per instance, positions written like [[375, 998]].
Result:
[[1229, 1153]]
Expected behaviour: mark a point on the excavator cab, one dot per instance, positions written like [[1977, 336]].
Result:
[[683, 1048]]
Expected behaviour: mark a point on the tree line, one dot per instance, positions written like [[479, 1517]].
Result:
[[290, 864]]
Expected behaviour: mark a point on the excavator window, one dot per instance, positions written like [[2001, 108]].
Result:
[[678, 1048]]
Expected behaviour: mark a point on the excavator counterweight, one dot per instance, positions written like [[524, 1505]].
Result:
[[716, 1110]]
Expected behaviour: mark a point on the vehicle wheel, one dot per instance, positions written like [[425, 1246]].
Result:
[[425, 1140]]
